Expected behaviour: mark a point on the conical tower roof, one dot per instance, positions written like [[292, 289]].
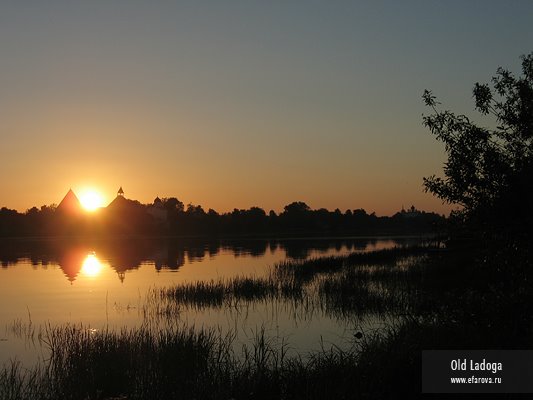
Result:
[[70, 203], [118, 202]]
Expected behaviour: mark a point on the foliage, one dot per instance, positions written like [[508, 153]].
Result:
[[489, 170], [169, 217]]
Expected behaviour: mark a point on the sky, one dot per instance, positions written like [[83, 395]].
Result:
[[234, 104]]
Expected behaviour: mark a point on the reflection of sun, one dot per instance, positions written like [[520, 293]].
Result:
[[91, 200], [91, 265]]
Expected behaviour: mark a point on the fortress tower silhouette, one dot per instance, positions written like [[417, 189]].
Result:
[[70, 204]]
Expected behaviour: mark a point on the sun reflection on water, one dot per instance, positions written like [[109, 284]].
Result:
[[92, 267]]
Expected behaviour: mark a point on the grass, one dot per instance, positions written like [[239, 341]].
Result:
[[186, 363], [176, 363], [221, 293], [17, 382], [439, 302], [307, 270], [381, 282]]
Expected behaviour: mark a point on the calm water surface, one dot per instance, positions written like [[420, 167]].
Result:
[[103, 285]]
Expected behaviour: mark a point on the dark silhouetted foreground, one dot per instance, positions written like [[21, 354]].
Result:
[[169, 217]]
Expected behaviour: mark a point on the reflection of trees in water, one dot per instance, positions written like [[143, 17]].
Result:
[[129, 254], [253, 248], [195, 254], [169, 257], [300, 249], [273, 246], [213, 248], [295, 249]]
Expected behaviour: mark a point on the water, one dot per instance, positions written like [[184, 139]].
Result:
[[104, 284]]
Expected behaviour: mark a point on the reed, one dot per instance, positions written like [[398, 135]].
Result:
[[222, 293], [382, 282], [433, 310], [177, 362]]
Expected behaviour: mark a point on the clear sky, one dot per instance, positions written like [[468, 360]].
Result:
[[240, 103]]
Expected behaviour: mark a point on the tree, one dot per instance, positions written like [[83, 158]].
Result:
[[296, 207], [296, 216], [173, 205], [489, 169]]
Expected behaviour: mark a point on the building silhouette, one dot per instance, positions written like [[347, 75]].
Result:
[[70, 204]]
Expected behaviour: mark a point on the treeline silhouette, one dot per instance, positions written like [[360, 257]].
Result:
[[169, 217]]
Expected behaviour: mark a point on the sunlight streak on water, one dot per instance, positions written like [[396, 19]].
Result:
[[91, 267]]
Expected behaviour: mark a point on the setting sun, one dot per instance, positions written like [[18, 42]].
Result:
[[91, 200]]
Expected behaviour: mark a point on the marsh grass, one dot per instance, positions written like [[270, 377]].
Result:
[[224, 293], [23, 330], [306, 270], [184, 363], [380, 282], [165, 360], [436, 304], [176, 362], [18, 382]]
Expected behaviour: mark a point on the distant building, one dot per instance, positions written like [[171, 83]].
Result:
[[120, 202], [125, 208], [70, 204], [126, 216]]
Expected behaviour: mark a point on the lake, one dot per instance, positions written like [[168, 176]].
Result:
[[104, 284]]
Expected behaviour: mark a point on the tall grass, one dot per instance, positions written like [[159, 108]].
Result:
[[17, 382], [306, 270], [435, 309], [221, 293], [385, 281], [175, 363], [167, 361]]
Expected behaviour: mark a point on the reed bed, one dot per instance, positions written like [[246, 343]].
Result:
[[175, 363], [168, 360], [172, 361], [379, 282], [224, 293], [306, 270]]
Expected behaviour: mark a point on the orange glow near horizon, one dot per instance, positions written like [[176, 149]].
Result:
[[91, 200]]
